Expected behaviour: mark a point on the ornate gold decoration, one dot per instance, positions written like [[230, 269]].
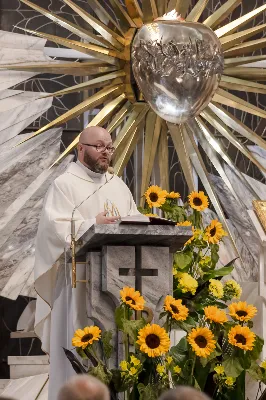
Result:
[[260, 209]]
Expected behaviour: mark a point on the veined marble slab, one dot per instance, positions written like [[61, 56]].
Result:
[[259, 154], [26, 388], [20, 41]]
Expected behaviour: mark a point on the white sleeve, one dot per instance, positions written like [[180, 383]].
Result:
[[85, 226]]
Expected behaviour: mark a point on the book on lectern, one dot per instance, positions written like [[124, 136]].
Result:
[[142, 219]]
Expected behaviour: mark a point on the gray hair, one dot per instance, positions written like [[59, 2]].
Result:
[[183, 393], [84, 387]]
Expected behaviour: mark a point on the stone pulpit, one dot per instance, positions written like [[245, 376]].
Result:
[[119, 255]]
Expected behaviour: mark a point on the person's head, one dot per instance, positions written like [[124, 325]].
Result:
[[83, 387], [183, 393], [95, 149]]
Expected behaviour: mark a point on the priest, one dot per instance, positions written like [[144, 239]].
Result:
[[91, 195]]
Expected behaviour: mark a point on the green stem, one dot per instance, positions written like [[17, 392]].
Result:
[[192, 370]]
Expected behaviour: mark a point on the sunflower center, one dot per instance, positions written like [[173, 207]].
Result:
[[197, 201], [174, 309], [152, 341], [201, 341], [153, 197], [242, 313], [129, 298], [240, 339], [213, 231], [87, 337]]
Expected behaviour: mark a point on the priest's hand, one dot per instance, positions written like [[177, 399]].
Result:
[[102, 219]]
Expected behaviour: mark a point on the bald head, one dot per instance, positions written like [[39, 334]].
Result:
[[95, 149], [84, 387], [183, 393]]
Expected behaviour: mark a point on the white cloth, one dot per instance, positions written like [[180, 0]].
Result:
[[60, 309]]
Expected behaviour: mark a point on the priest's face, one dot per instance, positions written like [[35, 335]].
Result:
[[95, 150]]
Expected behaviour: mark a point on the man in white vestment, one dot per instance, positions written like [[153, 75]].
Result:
[[87, 186]]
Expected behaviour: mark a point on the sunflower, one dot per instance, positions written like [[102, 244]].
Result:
[[196, 234], [85, 337], [175, 307], [242, 311], [198, 201], [202, 341], [173, 195], [153, 340], [132, 298], [242, 337], [214, 314], [214, 232], [185, 223], [155, 196]]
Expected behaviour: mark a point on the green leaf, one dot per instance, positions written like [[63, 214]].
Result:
[[232, 366], [144, 210], [214, 354], [102, 373], [107, 346], [180, 351], [219, 272], [255, 372], [214, 255], [183, 259], [81, 352], [119, 316], [132, 327], [257, 349], [186, 325], [149, 392]]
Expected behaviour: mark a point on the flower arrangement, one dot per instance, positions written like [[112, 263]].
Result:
[[218, 348]]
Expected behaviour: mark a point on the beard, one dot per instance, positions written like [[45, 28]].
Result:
[[99, 166]]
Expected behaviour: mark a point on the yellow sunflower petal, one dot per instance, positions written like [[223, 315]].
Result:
[[202, 341], [242, 337], [153, 340], [198, 201], [214, 314], [132, 298], [214, 232], [177, 310], [155, 196], [242, 311]]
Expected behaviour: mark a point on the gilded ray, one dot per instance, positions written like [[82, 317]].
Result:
[[152, 133], [163, 157], [218, 147], [200, 168], [253, 74], [70, 26], [181, 6], [100, 119], [239, 22], [236, 61], [149, 10], [232, 122], [196, 12], [93, 101], [94, 83], [219, 15], [228, 99], [231, 40], [104, 16], [102, 53], [221, 127], [124, 19], [135, 12], [114, 38], [119, 117], [161, 7], [177, 134], [229, 82], [247, 47]]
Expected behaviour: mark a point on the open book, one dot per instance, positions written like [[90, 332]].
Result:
[[142, 219]]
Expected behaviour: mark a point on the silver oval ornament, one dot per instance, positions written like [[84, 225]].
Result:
[[177, 66]]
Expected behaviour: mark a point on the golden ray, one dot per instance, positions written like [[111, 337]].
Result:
[[70, 26], [234, 62], [228, 99], [114, 38], [104, 16], [94, 83], [232, 122], [124, 19], [218, 147], [181, 6], [200, 168], [71, 68], [93, 101], [177, 134], [135, 12], [239, 22], [161, 7], [229, 82], [149, 10], [163, 157], [152, 133], [236, 38], [102, 53], [103, 115], [219, 15], [221, 127], [244, 48], [130, 144], [119, 117], [196, 12], [253, 74]]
